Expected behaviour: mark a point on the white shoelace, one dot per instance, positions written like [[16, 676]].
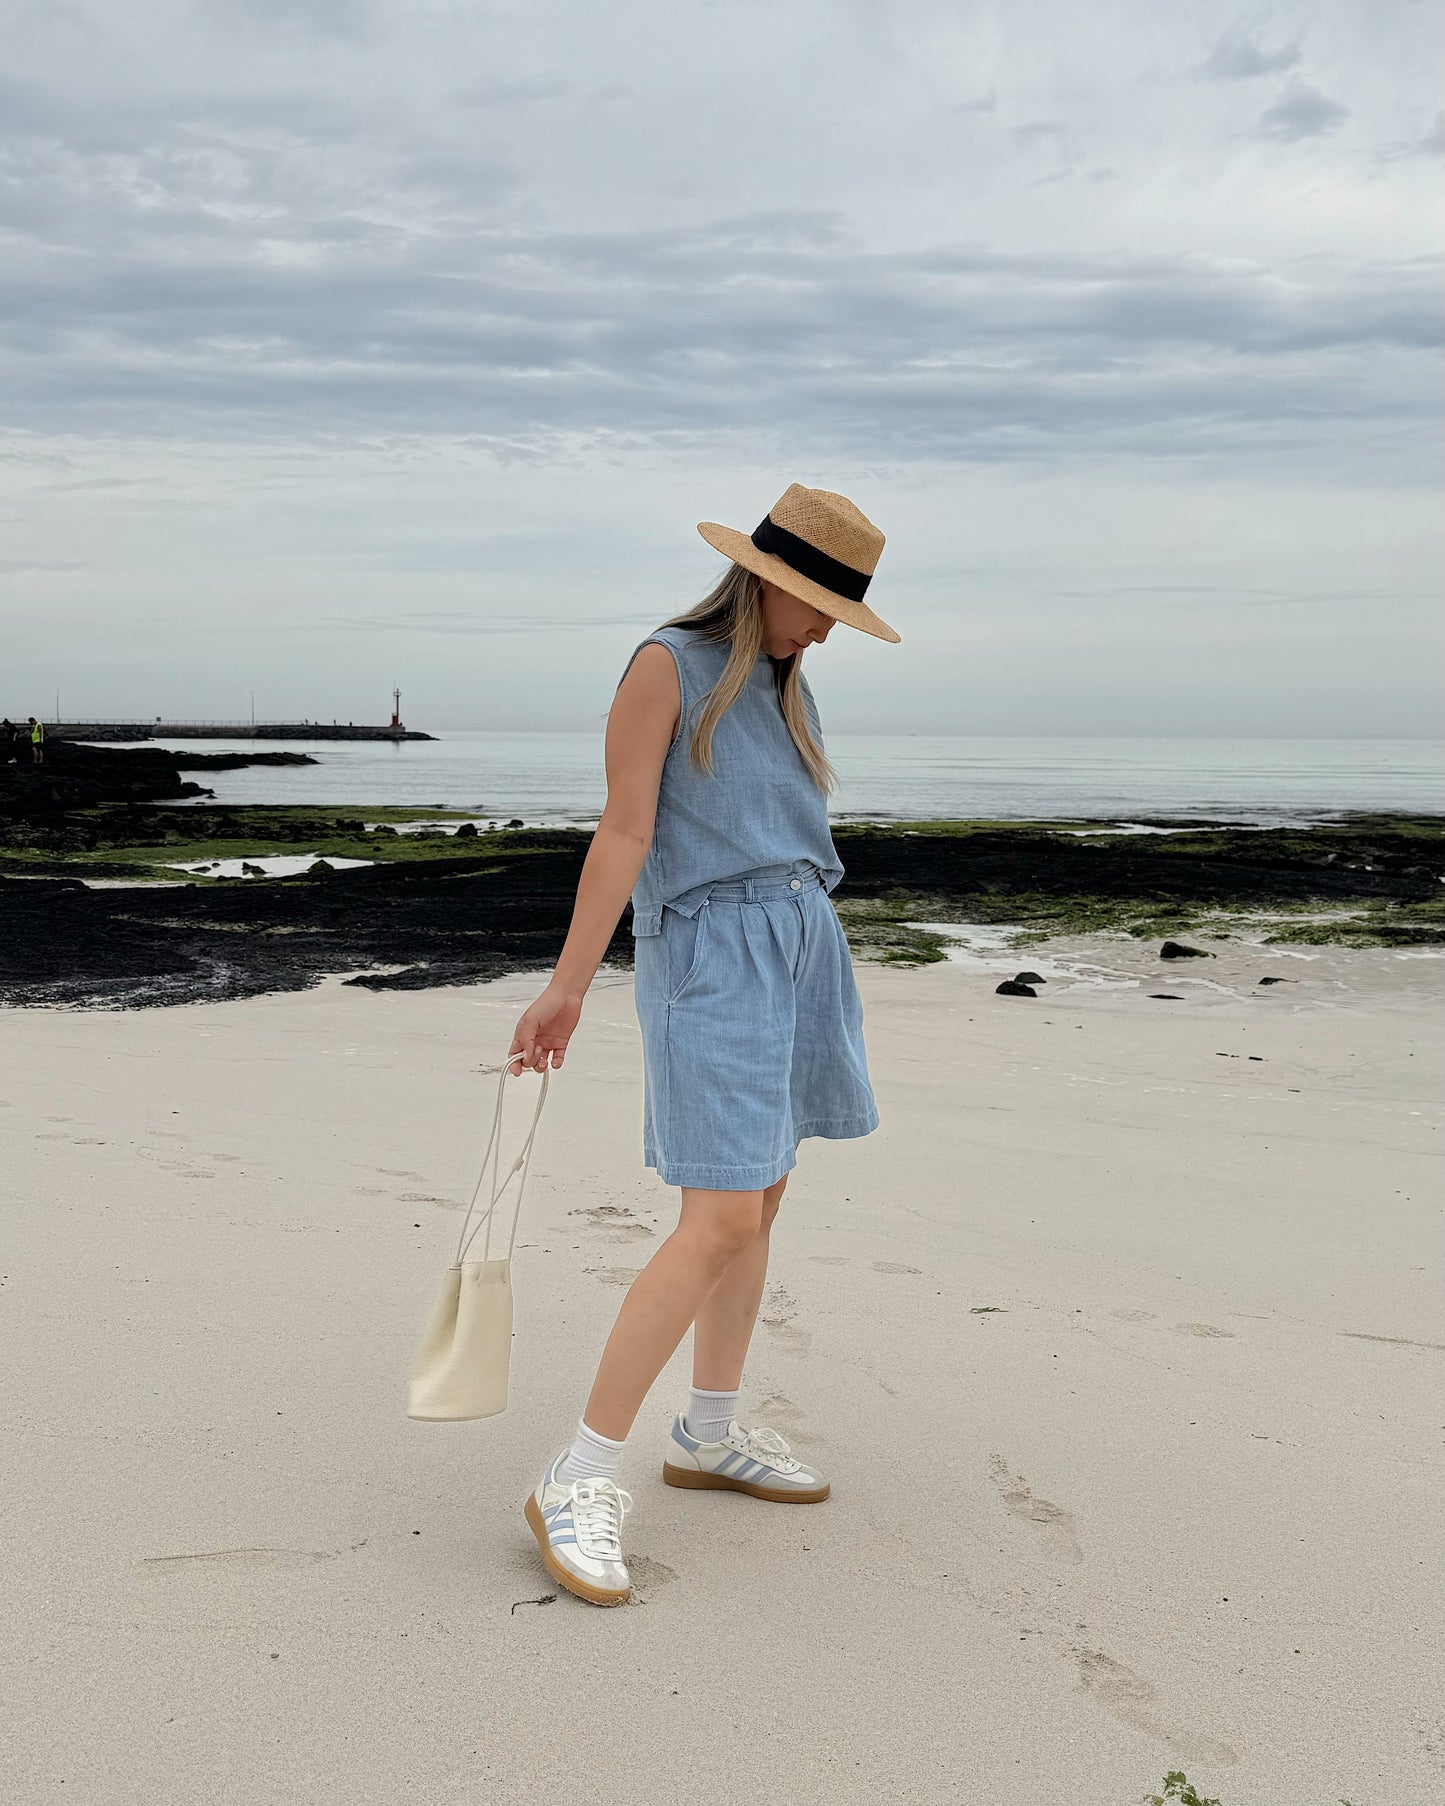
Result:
[[598, 1508], [763, 1444]]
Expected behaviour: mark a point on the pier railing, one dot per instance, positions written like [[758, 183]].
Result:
[[239, 730]]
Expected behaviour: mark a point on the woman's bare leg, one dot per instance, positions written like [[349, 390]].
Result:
[[715, 1227], [724, 1325]]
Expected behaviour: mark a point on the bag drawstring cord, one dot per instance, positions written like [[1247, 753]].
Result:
[[494, 1150]]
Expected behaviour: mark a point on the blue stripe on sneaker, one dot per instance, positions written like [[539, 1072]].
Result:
[[731, 1463], [680, 1434]]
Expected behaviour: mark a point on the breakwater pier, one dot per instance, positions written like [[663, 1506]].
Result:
[[227, 730]]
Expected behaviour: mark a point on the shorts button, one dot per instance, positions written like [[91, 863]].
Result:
[[795, 884]]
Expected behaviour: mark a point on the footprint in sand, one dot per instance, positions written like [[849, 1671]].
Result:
[[614, 1221], [397, 1172], [893, 1266], [614, 1276], [1133, 1316], [777, 1316], [647, 1576], [1055, 1524], [1133, 1700], [779, 1412], [1203, 1329], [829, 1260]]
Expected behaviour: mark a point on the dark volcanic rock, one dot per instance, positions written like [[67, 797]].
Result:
[[475, 913], [1239, 870], [78, 776], [1276, 981], [1012, 988], [191, 761], [1167, 996], [445, 921], [1177, 950], [1028, 978]]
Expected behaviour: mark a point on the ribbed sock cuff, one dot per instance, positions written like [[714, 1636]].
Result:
[[591, 1457], [709, 1414]]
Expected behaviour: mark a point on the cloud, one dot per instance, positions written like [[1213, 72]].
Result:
[[476, 621], [1301, 111], [1239, 57], [496, 90], [325, 18], [364, 307], [314, 321], [1046, 132], [1429, 143]]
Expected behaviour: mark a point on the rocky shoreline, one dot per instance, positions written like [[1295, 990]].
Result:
[[76, 777], [96, 912]]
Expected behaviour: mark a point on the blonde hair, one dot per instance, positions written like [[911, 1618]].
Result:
[[733, 611]]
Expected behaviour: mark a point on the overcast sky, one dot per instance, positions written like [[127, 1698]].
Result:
[[347, 341]]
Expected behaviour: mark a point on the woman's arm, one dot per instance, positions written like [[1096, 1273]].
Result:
[[640, 727]]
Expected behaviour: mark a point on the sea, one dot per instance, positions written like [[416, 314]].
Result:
[[557, 779]]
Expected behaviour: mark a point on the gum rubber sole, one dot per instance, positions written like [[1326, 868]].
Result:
[[593, 1595], [775, 1495]]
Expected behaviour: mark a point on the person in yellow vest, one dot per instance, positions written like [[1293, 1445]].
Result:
[[37, 741]]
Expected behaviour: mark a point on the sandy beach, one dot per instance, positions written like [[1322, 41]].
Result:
[[1121, 1340]]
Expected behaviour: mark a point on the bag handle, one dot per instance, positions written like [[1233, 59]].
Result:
[[494, 1149]]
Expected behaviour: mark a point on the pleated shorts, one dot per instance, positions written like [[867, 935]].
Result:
[[752, 1032]]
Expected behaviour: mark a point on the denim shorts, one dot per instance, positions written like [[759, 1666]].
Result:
[[752, 1032]]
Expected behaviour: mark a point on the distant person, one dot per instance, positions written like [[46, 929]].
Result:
[[716, 824], [8, 731], [37, 741]]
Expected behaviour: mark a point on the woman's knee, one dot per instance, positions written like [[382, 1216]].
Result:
[[772, 1198], [723, 1222]]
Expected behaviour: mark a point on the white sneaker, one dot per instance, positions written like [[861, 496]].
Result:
[[757, 1462], [578, 1527]]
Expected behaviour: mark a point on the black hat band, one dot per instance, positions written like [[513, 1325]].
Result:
[[809, 562]]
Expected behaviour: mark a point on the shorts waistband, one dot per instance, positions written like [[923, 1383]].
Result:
[[758, 887]]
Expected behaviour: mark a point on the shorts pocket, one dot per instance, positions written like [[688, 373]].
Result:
[[686, 941]]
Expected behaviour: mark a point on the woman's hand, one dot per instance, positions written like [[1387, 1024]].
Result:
[[544, 1031]]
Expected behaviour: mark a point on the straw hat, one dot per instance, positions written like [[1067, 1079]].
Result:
[[816, 546]]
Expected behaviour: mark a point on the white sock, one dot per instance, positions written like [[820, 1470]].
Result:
[[591, 1457], [709, 1414]]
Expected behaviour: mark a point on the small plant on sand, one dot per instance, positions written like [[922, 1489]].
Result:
[[1178, 1787], [1180, 1790]]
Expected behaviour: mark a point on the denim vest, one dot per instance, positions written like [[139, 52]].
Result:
[[759, 814]]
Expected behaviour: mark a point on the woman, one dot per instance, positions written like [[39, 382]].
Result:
[[716, 825]]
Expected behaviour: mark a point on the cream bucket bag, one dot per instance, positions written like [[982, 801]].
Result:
[[460, 1370]]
